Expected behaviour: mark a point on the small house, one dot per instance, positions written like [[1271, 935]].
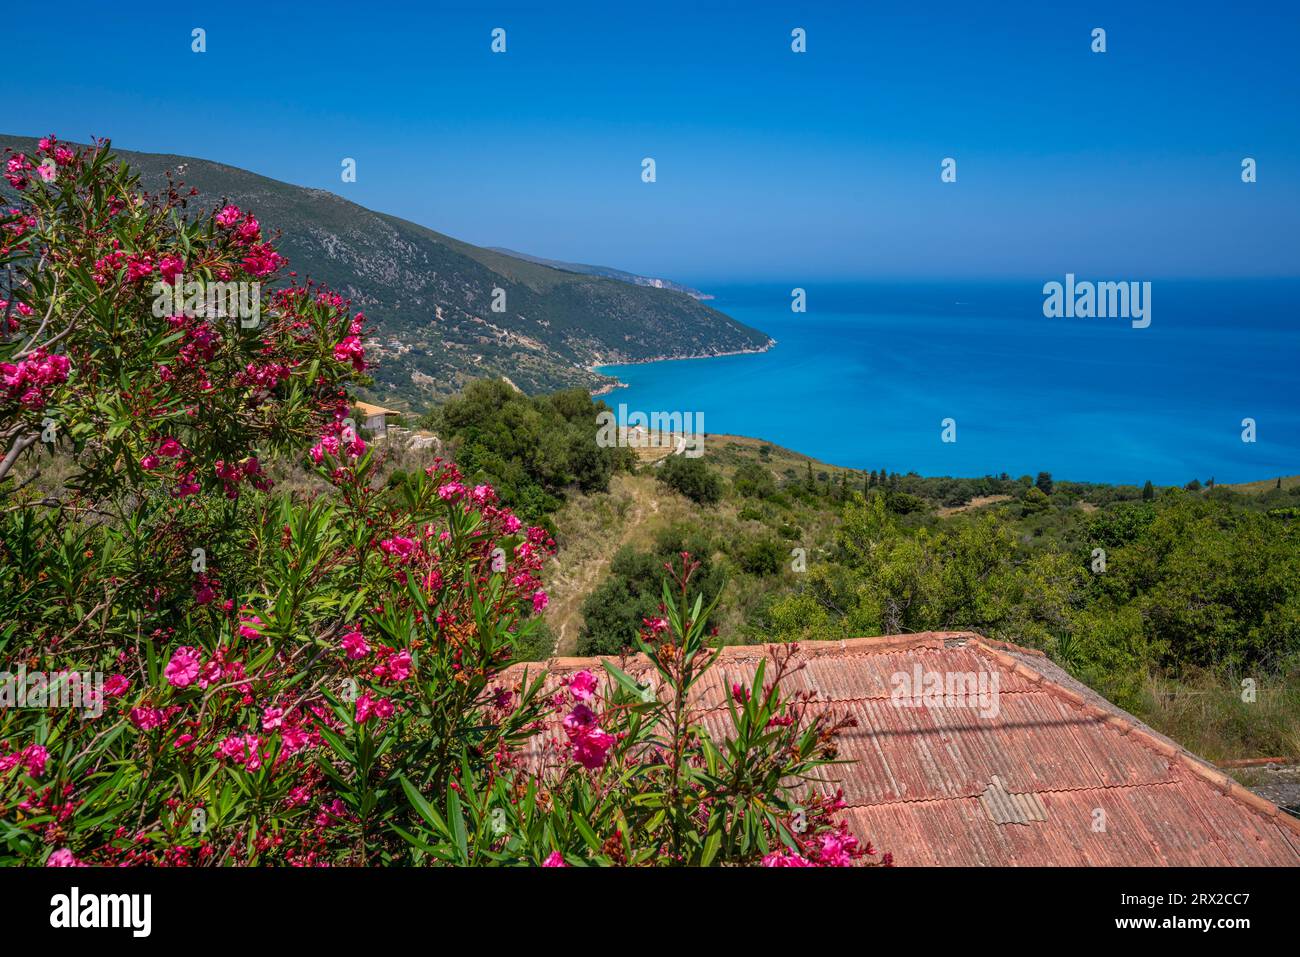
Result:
[[375, 419]]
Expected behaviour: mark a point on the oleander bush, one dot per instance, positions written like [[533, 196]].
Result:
[[320, 677]]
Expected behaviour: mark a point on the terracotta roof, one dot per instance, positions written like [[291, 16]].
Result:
[[369, 409], [1030, 782]]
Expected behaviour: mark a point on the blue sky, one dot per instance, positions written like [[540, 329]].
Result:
[[771, 165]]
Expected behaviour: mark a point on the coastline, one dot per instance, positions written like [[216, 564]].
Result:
[[618, 384]]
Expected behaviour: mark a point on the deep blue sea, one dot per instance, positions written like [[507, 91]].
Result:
[[865, 377]]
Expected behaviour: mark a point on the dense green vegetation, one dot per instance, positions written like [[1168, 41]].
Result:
[[531, 449], [692, 478], [632, 592], [1148, 594], [1135, 593], [1188, 582]]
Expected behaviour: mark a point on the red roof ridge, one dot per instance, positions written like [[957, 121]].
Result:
[[881, 643], [1126, 724], [1007, 655]]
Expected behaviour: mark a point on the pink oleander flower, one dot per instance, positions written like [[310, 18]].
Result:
[[228, 216], [579, 721], [293, 739], [183, 668], [351, 350], [29, 380], [248, 626], [149, 462], [451, 491], [242, 749], [540, 601], [837, 849], [590, 743], [35, 757], [139, 267], [328, 445], [592, 749], [398, 547], [582, 685], [116, 686], [354, 645], [171, 267], [250, 230], [146, 719], [62, 858], [555, 859], [399, 666], [365, 708], [262, 260], [15, 169], [169, 448], [272, 718], [786, 858]]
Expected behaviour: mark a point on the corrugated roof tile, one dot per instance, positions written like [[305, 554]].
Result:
[[1053, 775]]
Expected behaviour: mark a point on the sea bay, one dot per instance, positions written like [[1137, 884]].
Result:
[[866, 377]]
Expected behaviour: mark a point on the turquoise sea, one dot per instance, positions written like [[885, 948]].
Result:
[[865, 377]]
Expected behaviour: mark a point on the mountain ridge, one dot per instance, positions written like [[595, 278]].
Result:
[[608, 272], [429, 296]]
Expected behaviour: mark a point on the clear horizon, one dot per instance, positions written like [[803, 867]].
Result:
[[773, 165]]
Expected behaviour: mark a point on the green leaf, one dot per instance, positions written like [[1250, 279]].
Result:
[[584, 829], [458, 835]]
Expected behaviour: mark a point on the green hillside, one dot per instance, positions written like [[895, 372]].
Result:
[[429, 296]]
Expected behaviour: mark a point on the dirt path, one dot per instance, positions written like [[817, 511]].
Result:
[[978, 502], [574, 574]]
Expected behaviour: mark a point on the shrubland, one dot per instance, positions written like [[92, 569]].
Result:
[[1182, 594], [241, 637]]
